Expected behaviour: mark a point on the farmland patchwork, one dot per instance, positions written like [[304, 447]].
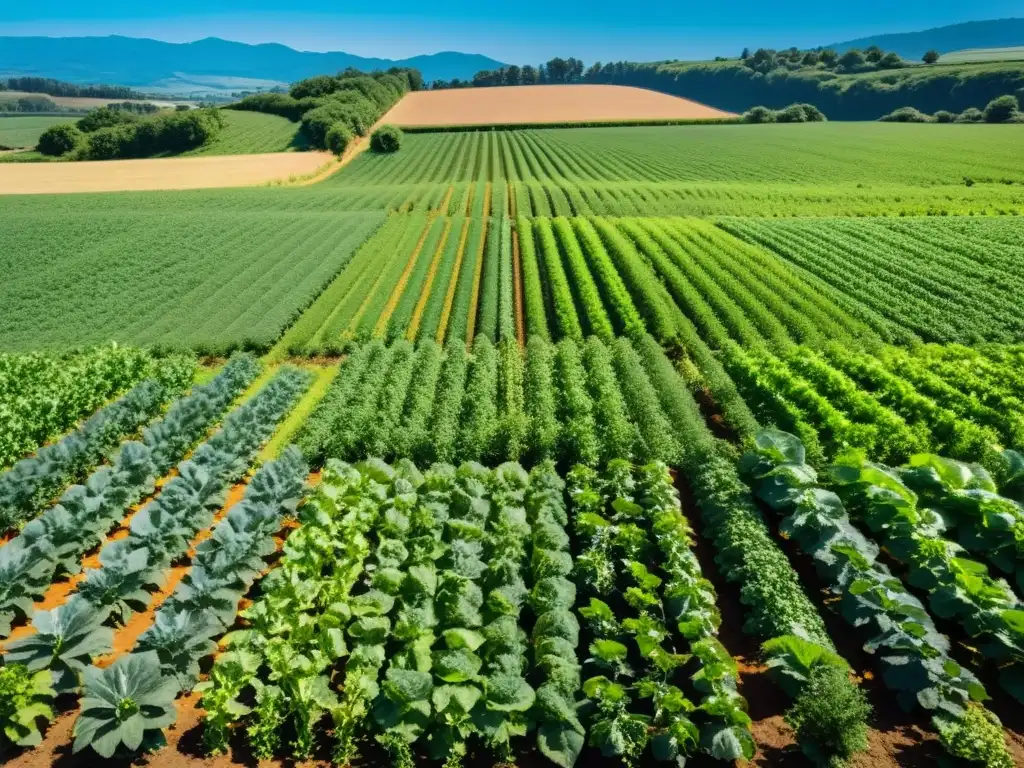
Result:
[[613, 431]]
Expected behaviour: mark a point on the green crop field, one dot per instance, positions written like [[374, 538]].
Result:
[[983, 54], [19, 132], [606, 423], [252, 133]]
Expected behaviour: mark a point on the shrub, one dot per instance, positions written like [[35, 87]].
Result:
[[791, 114], [275, 104], [338, 138], [321, 85], [890, 61], [971, 115], [759, 115], [905, 115], [944, 116], [169, 133], [830, 716], [930, 57], [387, 138], [811, 113], [356, 113], [1002, 109], [105, 117], [59, 139]]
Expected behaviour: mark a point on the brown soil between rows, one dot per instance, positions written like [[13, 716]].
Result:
[[543, 104], [474, 301], [184, 737], [517, 288], [895, 739], [59, 591]]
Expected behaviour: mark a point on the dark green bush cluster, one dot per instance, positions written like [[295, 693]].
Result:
[[1004, 109], [387, 138], [59, 139], [334, 109], [794, 113], [108, 134], [168, 133]]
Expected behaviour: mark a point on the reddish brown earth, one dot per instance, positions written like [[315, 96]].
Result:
[[543, 104]]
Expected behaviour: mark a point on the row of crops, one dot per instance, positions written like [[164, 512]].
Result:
[[571, 402], [423, 276], [837, 153], [152, 536], [481, 614]]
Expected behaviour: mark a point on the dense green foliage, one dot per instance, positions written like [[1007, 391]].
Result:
[[223, 280], [59, 139], [351, 100], [42, 396], [583, 404]]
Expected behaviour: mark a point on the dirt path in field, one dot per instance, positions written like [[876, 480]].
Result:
[[421, 304], [543, 104], [895, 739], [517, 288], [474, 300], [156, 173], [442, 326]]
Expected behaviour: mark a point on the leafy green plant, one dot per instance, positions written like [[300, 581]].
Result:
[[65, 640], [127, 705], [25, 699], [829, 716]]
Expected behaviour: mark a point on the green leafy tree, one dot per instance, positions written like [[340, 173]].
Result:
[[387, 138], [930, 57], [759, 115], [339, 136], [1002, 109], [59, 139]]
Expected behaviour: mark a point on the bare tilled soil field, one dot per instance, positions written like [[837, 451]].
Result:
[[544, 104], [157, 173]]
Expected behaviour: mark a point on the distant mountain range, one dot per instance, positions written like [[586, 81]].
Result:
[[997, 33], [209, 65]]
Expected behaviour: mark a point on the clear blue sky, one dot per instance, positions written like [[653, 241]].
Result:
[[519, 31]]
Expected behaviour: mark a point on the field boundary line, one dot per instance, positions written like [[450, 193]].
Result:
[[517, 288], [396, 294], [421, 303], [474, 300], [446, 312]]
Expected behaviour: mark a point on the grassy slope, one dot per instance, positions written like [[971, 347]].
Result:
[[983, 54], [861, 96], [18, 132], [250, 133]]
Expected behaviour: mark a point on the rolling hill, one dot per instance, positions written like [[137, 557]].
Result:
[[208, 64], [995, 33]]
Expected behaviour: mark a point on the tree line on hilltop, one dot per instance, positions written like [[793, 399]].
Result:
[[841, 84]]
